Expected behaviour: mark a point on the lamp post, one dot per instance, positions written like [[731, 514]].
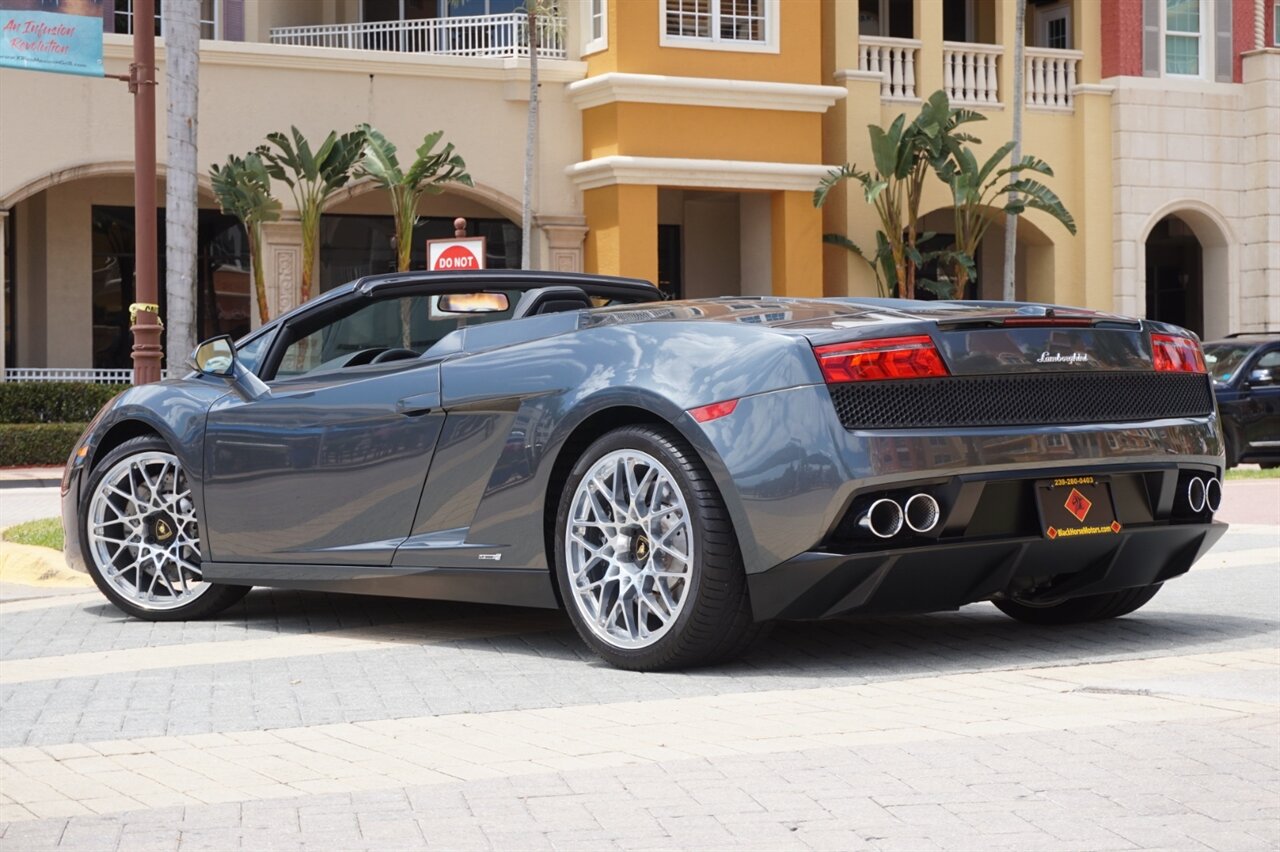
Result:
[[144, 313]]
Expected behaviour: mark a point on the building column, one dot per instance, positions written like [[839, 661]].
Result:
[[797, 245], [622, 235], [928, 24], [564, 241], [4, 231], [1095, 241], [281, 267]]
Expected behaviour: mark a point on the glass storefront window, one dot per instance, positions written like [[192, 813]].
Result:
[[354, 246], [223, 283]]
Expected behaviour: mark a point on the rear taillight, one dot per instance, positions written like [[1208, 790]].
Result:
[[1172, 354], [887, 358]]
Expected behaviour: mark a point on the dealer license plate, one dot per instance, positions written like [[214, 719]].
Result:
[[1073, 506]]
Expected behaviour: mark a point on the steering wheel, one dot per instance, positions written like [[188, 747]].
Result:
[[364, 356], [393, 355]]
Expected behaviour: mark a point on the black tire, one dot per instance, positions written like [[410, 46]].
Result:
[[1231, 447], [714, 623], [213, 599], [1077, 610]]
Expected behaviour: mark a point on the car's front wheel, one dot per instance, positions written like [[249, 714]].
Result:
[[646, 556], [141, 539], [1076, 610]]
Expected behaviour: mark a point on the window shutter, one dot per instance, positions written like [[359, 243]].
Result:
[[1151, 38], [1223, 49], [233, 20]]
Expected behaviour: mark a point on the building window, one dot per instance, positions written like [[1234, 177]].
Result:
[[209, 18], [222, 280], [720, 24], [1183, 37], [597, 26], [355, 245]]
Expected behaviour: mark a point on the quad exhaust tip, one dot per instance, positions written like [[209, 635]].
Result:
[[1204, 493], [921, 512], [1197, 494], [1213, 493], [883, 518]]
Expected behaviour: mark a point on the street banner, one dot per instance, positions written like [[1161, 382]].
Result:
[[454, 254], [64, 36]]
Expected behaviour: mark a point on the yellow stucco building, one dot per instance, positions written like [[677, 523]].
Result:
[[681, 141], [735, 109], [702, 141]]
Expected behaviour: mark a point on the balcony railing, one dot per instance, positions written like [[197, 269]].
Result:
[[1051, 75], [475, 35], [895, 58], [969, 72]]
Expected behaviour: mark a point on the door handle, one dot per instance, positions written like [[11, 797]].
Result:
[[423, 403]]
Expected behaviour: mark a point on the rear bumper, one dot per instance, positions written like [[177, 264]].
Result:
[[948, 575]]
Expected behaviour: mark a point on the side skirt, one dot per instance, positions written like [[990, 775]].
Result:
[[512, 587]]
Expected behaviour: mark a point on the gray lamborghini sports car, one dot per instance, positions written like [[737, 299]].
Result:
[[674, 474]]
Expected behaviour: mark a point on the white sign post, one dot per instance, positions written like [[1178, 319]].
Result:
[[456, 254]]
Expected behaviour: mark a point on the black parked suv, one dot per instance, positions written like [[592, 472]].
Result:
[[1246, 381]]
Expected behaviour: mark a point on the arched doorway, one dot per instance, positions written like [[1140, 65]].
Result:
[[1175, 275], [1033, 264], [1186, 257], [69, 277]]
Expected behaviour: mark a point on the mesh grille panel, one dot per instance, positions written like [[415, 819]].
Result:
[[1029, 399]]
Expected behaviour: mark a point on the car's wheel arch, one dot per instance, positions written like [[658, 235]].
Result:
[[122, 430], [597, 420]]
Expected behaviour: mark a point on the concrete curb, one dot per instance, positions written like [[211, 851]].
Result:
[[30, 477], [30, 565]]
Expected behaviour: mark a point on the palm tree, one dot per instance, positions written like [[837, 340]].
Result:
[[902, 156], [312, 178], [976, 188], [428, 174], [182, 73], [243, 188]]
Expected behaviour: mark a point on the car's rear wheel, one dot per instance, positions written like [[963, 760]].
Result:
[[1076, 610], [646, 556], [141, 538]]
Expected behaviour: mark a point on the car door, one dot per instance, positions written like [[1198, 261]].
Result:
[[328, 467], [1260, 413]]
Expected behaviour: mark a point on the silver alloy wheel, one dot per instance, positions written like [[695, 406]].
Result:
[[629, 548], [142, 532]]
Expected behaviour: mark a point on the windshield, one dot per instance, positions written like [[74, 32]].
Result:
[[1224, 359]]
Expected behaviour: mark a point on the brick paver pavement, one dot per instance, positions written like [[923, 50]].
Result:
[[307, 721]]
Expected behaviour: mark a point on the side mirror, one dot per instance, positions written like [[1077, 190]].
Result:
[[1261, 377], [215, 357]]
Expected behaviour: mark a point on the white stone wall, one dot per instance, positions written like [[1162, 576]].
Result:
[[1260, 254], [1209, 152]]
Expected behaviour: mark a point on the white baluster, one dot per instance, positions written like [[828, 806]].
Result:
[[910, 73], [895, 63], [1071, 83], [970, 76], [948, 80], [993, 82]]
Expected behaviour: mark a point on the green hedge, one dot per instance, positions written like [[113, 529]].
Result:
[[53, 402], [24, 444]]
